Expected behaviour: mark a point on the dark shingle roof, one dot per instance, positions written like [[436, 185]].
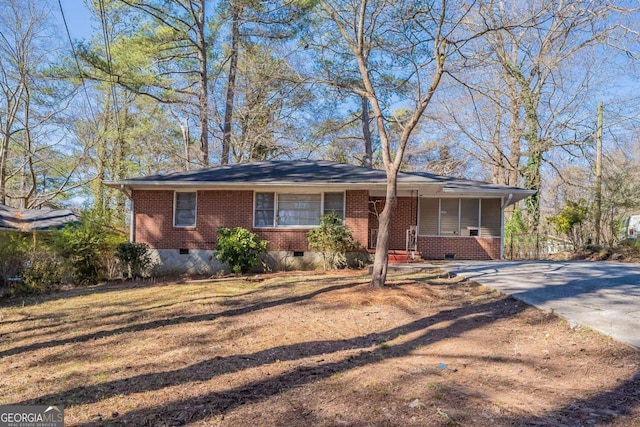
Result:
[[452, 183], [319, 172], [34, 219], [296, 171]]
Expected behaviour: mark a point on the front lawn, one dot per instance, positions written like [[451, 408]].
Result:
[[310, 350]]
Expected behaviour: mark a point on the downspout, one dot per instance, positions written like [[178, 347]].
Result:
[[504, 205], [132, 218], [417, 199], [415, 247]]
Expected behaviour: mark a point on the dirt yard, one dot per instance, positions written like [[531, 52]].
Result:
[[311, 350]]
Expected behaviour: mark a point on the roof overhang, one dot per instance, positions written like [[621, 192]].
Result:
[[316, 175], [125, 185], [510, 195]]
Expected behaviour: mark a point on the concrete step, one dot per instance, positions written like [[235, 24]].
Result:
[[399, 256]]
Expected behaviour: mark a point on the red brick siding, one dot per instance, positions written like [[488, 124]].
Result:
[[284, 240], [154, 220], [357, 215], [404, 216], [469, 248]]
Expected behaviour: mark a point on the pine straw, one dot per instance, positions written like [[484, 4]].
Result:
[[310, 349]]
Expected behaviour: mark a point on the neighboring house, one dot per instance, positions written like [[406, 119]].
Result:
[[32, 220], [178, 214], [631, 227]]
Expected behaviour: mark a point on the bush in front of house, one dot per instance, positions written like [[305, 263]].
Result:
[[28, 267], [81, 253], [13, 255], [239, 248], [87, 247], [44, 273], [333, 239], [135, 258]]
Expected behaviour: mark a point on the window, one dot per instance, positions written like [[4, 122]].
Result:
[[460, 217], [491, 218], [295, 210], [299, 209], [469, 217], [449, 217], [265, 207], [184, 214], [334, 204], [429, 208]]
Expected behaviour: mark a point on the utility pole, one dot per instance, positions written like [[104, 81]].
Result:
[[598, 214]]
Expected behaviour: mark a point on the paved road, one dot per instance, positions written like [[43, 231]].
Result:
[[600, 295]]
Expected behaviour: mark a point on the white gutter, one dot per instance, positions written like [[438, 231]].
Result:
[[187, 183], [132, 214], [155, 185], [505, 204]]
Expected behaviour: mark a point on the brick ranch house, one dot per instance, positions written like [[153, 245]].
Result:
[[178, 214]]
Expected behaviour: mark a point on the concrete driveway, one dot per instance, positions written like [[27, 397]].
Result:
[[604, 296]]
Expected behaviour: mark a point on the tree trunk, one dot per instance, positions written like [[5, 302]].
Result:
[[204, 92], [12, 104], [515, 133], [119, 157], [381, 261], [23, 181], [598, 210], [499, 167], [231, 84], [100, 204], [28, 179], [186, 137], [532, 182], [366, 133], [4, 152]]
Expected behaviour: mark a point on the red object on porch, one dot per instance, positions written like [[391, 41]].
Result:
[[398, 256]]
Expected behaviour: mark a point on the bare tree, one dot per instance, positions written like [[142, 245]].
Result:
[[30, 105], [530, 86], [375, 33]]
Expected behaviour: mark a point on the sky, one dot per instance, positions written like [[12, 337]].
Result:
[[78, 18], [82, 26]]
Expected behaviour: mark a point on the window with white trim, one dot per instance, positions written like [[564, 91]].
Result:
[[265, 206], [295, 209], [184, 209]]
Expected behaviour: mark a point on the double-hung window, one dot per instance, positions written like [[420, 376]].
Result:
[[184, 209], [295, 209], [334, 204], [265, 205]]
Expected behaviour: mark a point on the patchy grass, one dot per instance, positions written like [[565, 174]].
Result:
[[311, 349]]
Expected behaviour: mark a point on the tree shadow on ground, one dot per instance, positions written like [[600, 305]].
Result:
[[120, 285], [261, 305], [216, 366], [102, 288], [602, 408], [462, 319], [623, 398]]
